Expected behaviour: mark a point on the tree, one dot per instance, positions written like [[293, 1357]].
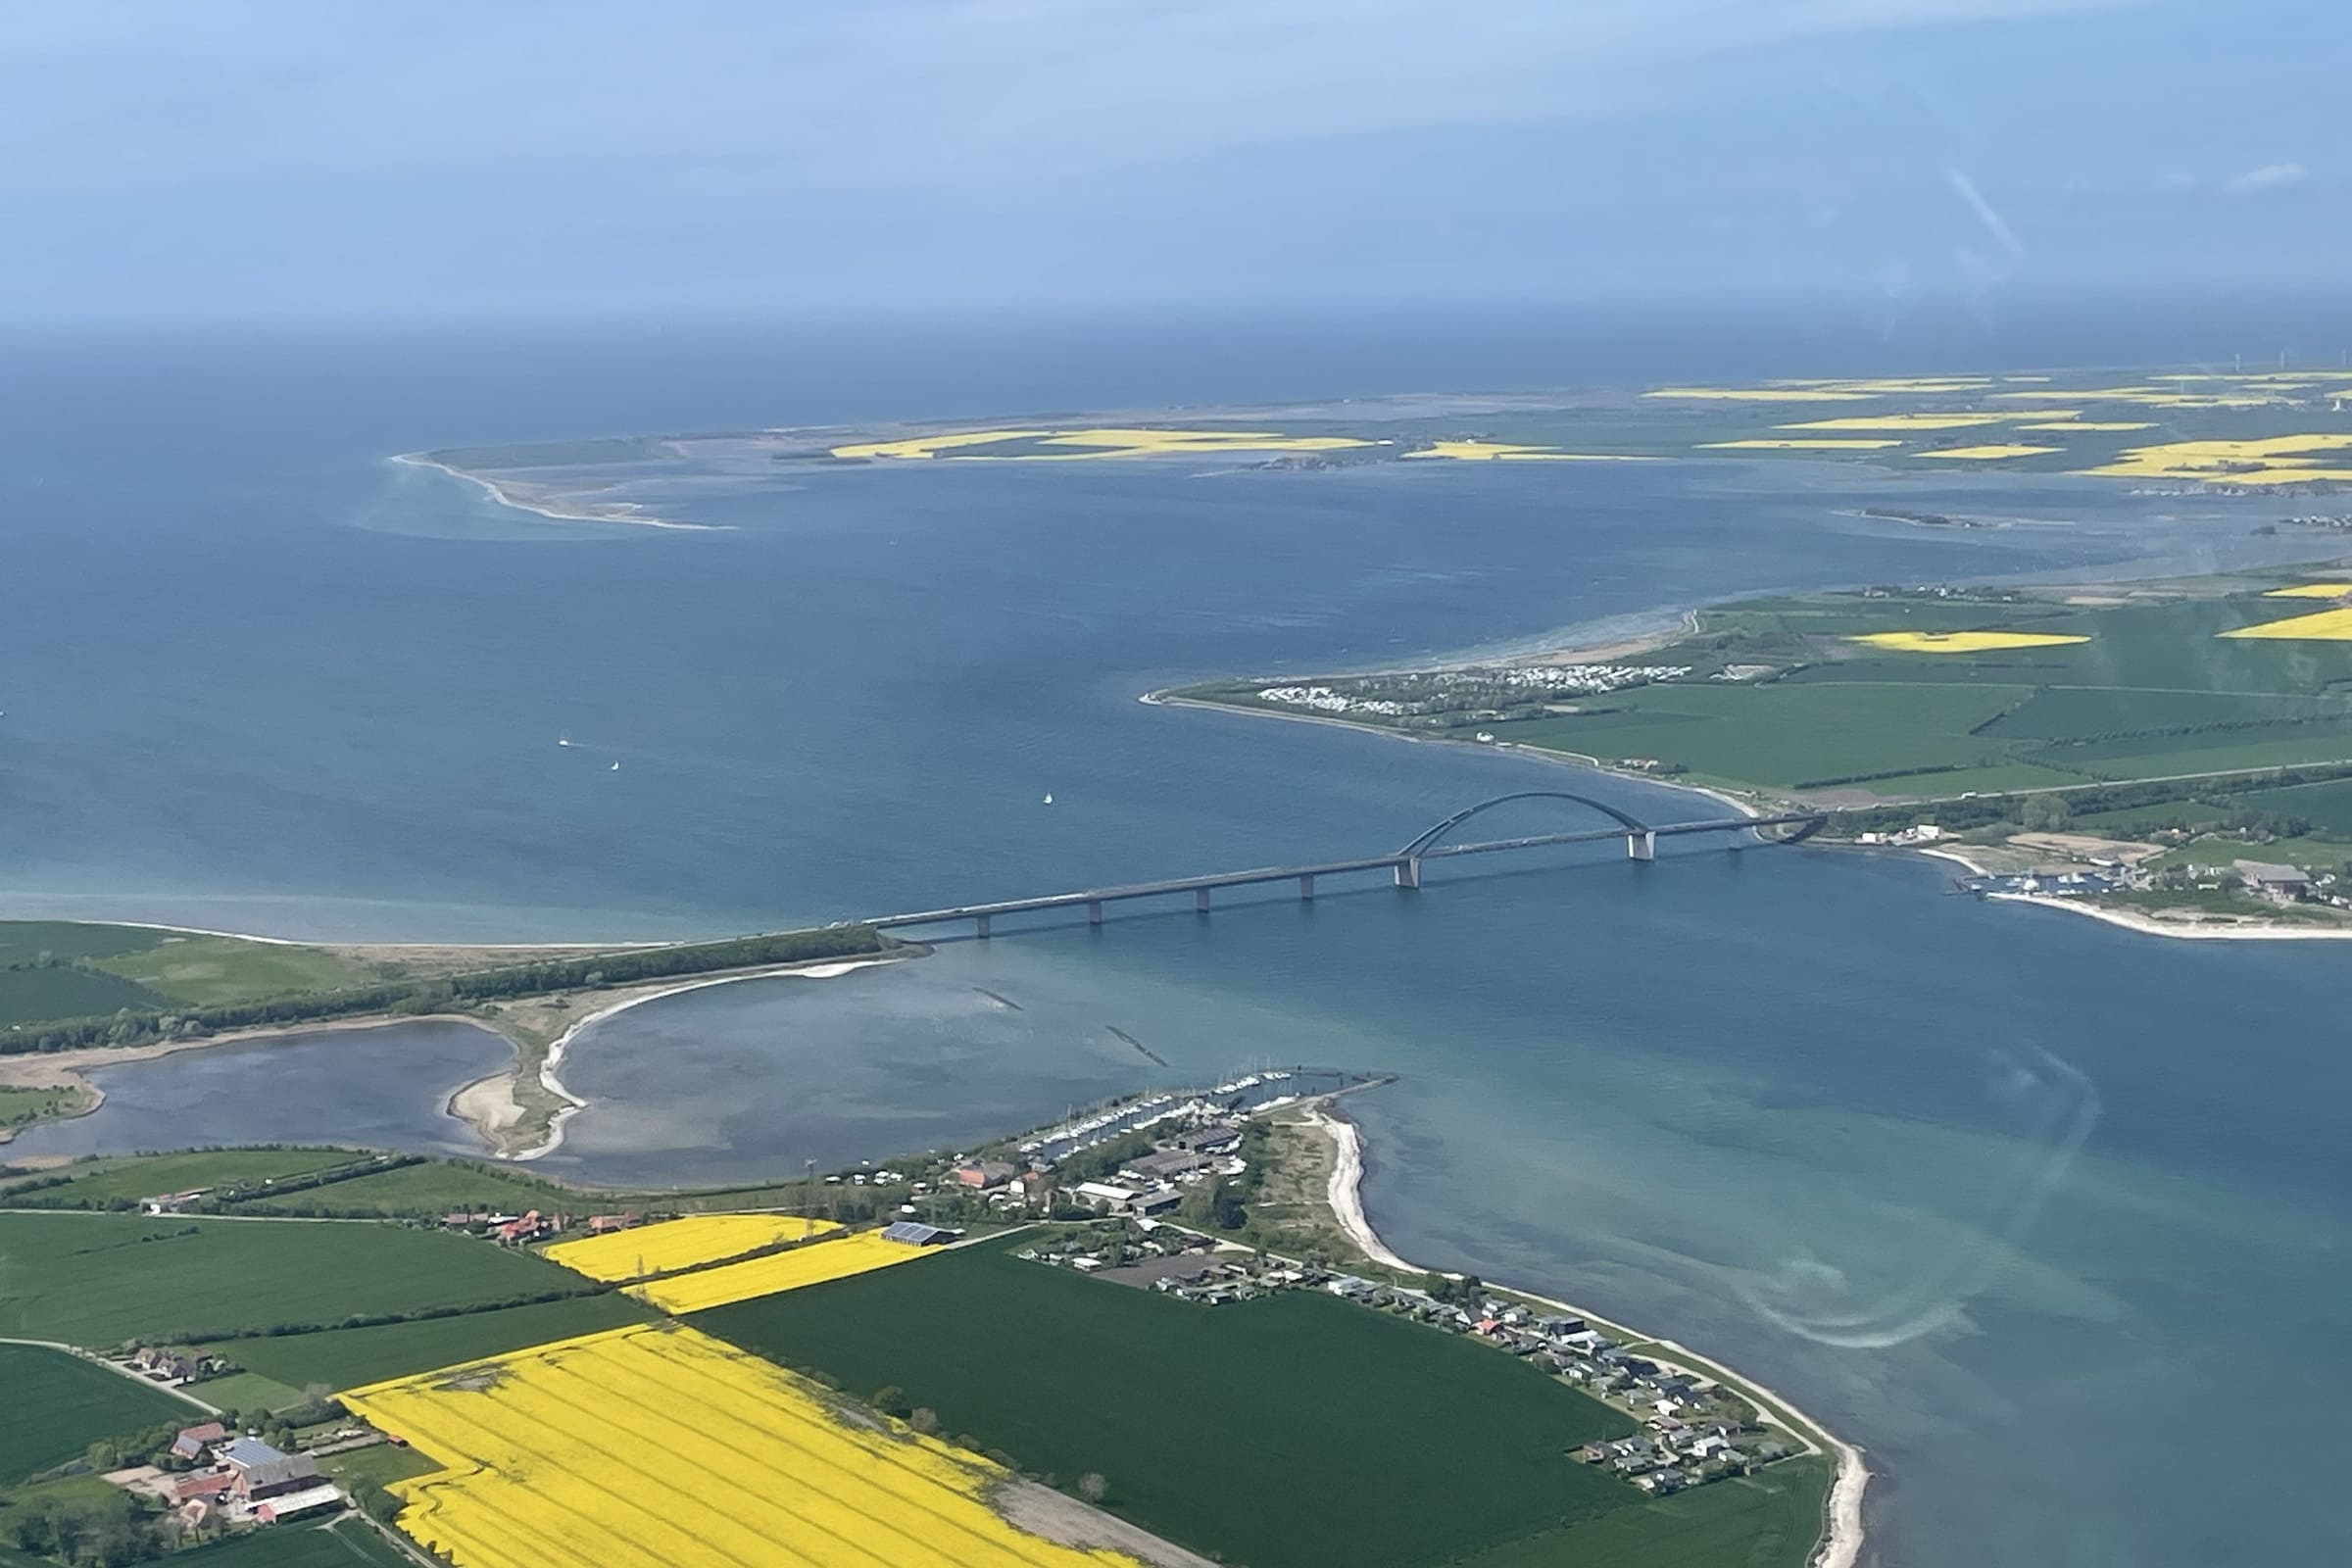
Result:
[[924, 1420], [890, 1399], [1092, 1487], [2045, 813]]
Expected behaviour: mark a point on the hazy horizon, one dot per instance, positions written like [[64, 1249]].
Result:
[[264, 160]]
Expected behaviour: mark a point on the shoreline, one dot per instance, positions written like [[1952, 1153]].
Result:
[[2148, 924], [551, 1065], [1842, 1532], [625, 513]]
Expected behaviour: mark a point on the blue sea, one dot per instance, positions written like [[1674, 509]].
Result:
[[2050, 1216]]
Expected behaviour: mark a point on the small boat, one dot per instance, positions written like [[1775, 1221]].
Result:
[[616, 767], [564, 737], [1486, 737], [1048, 798]]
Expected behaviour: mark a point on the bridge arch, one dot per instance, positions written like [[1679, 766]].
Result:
[[1429, 839]]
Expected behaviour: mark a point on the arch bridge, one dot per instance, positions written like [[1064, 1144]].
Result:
[[1403, 866]]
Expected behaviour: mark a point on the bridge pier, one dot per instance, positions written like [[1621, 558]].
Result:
[[1200, 900], [1306, 888], [1408, 871], [981, 920], [1093, 911], [1641, 846]]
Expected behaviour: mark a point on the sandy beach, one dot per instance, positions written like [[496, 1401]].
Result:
[[1843, 1537], [521, 500], [2190, 927]]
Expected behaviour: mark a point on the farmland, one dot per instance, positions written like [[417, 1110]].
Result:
[[338, 1358], [97, 1183], [814, 1265], [681, 1243], [101, 1279], [1396, 1444], [57, 1404], [348, 1545], [1905, 695], [665, 1449]]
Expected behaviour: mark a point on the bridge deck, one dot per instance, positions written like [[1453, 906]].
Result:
[[1293, 874]]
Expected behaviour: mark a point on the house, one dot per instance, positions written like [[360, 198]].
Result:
[[206, 1486], [1156, 1202], [1213, 1138], [2279, 884], [287, 1505], [191, 1442], [1163, 1165], [173, 1365], [983, 1174], [913, 1233], [604, 1224], [258, 1471], [173, 1202], [1104, 1195], [524, 1228]]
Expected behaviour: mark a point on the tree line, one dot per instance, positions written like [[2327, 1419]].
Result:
[[131, 1027]]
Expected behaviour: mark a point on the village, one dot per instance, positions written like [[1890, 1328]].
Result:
[[1691, 1430]]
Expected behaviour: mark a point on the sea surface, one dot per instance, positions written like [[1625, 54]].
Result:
[[2051, 1218]]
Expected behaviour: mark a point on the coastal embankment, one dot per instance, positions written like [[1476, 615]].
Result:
[[1842, 1528]]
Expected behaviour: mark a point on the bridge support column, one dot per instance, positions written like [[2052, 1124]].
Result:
[[1408, 871], [1200, 900], [1093, 911], [981, 920], [1641, 846], [1307, 889]]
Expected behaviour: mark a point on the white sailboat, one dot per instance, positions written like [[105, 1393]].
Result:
[[1049, 797], [564, 737]]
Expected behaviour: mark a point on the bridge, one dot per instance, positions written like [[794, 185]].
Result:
[[1403, 866]]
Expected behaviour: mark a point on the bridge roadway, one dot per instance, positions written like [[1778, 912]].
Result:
[[1640, 844]]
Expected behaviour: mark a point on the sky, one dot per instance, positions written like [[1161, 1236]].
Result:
[[322, 158]]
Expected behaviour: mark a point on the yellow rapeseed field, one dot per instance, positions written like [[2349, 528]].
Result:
[[1959, 642], [1902, 422], [2329, 625], [2312, 590], [681, 1243], [1516, 452], [1826, 443], [925, 446], [2249, 462], [778, 1271], [1988, 454], [1119, 443], [1759, 394], [660, 1447]]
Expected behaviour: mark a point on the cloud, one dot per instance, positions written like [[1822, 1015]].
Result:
[[2269, 178]]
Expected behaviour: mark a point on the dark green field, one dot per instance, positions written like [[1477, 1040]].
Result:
[[1768, 1520], [56, 1406], [345, 1358], [97, 1182], [431, 1189], [30, 995], [2156, 691], [347, 1543], [101, 1279], [1292, 1431]]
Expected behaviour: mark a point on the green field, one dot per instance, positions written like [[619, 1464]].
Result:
[[96, 1183], [2153, 691], [1293, 1430], [28, 940], [345, 1358], [20, 1107], [101, 1279], [32, 994], [200, 969], [429, 1189], [346, 1543], [57, 1404]]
